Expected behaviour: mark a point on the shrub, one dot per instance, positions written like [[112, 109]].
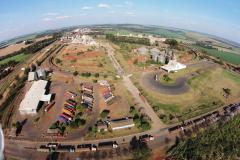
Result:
[[75, 73], [104, 113]]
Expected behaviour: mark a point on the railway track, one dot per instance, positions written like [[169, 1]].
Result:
[[17, 70]]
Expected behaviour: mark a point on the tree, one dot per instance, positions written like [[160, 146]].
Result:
[[75, 73], [227, 92], [96, 75], [221, 141], [171, 42], [27, 69], [104, 114], [18, 126], [145, 125], [58, 60], [166, 78], [140, 150], [133, 110], [38, 63], [33, 67]]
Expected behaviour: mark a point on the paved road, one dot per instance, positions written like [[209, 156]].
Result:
[[148, 80], [180, 87], [156, 122]]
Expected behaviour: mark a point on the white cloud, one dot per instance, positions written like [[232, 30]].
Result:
[[119, 6], [112, 12], [129, 13], [63, 17], [50, 14], [129, 3], [103, 5], [47, 19], [87, 8]]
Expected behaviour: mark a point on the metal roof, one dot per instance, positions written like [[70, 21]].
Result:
[[32, 98]]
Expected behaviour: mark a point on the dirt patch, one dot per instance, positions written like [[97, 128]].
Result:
[[118, 106]]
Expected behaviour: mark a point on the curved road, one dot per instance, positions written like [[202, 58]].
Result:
[[148, 80], [180, 87]]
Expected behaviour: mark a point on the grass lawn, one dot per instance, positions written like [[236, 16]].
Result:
[[205, 94], [225, 56], [17, 58], [117, 133]]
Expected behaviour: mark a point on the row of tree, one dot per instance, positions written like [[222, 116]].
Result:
[[219, 142], [113, 38], [33, 48]]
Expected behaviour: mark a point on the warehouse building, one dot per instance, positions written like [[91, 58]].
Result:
[[35, 97], [122, 124]]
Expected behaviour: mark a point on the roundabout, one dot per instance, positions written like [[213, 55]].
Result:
[[178, 87]]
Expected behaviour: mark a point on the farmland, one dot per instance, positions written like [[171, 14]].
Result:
[[16, 47], [18, 58], [225, 56]]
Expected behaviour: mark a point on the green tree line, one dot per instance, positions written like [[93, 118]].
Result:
[[126, 39], [220, 142]]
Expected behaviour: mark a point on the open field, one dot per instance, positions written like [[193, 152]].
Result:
[[119, 133], [16, 47], [18, 58], [84, 59], [205, 93], [166, 33], [120, 106], [225, 56]]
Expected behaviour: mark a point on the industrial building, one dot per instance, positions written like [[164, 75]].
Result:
[[33, 98], [122, 124]]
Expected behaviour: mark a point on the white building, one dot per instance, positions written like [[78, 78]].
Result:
[[32, 76], [33, 97], [122, 124], [173, 66]]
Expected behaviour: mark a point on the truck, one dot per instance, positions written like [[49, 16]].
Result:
[[43, 148], [48, 107], [72, 101], [70, 104], [65, 148], [86, 147], [69, 109], [67, 115], [68, 118], [146, 138], [71, 94], [68, 112], [108, 145], [63, 118]]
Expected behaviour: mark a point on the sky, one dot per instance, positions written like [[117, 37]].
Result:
[[216, 17]]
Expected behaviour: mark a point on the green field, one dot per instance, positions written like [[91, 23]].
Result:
[[205, 93], [225, 56], [167, 33], [17, 58]]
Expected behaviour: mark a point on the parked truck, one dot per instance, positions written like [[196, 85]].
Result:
[[108, 145], [86, 147]]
